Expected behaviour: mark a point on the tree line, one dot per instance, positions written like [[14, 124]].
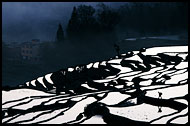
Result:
[[103, 26], [137, 18]]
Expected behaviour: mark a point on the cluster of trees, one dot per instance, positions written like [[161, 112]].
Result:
[[88, 24], [105, 23], [91, 27], [87, 27]]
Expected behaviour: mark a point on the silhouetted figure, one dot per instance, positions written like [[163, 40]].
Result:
[[117, 49], [159, 109], [160, 95]]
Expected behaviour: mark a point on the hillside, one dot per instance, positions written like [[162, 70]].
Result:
[[149, 86]]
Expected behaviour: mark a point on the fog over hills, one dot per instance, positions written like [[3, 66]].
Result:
[[23, 21]]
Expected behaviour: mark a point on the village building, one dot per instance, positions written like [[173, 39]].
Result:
[[30, 51]]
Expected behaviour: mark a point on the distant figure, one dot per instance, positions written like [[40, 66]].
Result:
[[117, 49], [160, 95], [159, 109]]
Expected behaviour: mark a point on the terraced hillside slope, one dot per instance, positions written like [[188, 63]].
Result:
[[149, 86]]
